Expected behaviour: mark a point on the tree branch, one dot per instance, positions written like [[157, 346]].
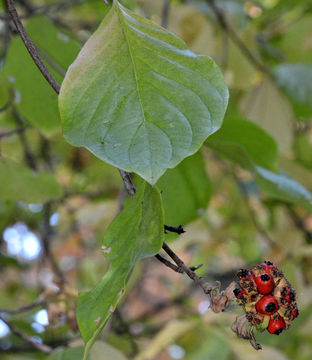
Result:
[[41, 347], [235, 38], [31, 47], [165, 13], [12, 132], [37, 303], [190, 273]]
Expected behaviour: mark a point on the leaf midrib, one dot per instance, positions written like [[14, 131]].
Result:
[[124, 31]]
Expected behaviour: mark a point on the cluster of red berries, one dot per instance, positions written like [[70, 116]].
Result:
[[268, 298]]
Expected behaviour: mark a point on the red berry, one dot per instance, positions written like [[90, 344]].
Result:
[[268, 265], [267, 305], [295, 313], [239, 292], [290, 297], [276, 326], [264, 283], [243, 274]]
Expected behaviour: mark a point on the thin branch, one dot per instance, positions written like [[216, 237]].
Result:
[[12, 132], [50, 61], [41, 347], [165, 13], [126, 177], [190, 273], [175, 229], [37, 303], [235, 38], [169, 264], [29, 156], [47, 233], [31, 47], [299, 223]]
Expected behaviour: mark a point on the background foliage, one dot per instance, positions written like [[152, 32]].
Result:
[[244, 197]]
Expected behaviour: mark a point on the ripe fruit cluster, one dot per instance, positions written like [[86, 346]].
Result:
[[268, 298]]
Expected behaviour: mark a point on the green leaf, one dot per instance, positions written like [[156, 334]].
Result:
[[214, 346], [33, 96], [283, 188], [137, 232], [20, 183], [185, 190], [296, 81], [75, 353], [260, 146], [237, 150], [138, 98], [267, 107]]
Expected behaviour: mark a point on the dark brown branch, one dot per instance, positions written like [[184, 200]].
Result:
[[169, 264], [31, 47], [190, 273], [41, 347], [29, 156], [165, 13], [175, 229], [299, 223], [47, 232], [12, 132], [126, 177], [37, 303]]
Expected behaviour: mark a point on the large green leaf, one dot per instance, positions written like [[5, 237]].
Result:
[[267, 107], [34, 97], [138, 98], [18, 182], [185, 190], [260, 146], [296, 81], [137, 232], [75, 353], [244, 153]]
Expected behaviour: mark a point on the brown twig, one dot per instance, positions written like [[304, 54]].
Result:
[[299, 223], [28, 154], [190, 273], [169, 264], [126, 177], [165, 13], [12, 132], [47, 233], [37, 303], [41, 347], [175, 229], [31, 47]]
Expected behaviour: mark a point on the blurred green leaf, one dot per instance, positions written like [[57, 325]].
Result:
[[214, 346], [137, 232], [33, 96], [267, 107], [143, 101], [185, 190], [260, 146], [242, 152], [296, 81], [20, 183], [75, 353]]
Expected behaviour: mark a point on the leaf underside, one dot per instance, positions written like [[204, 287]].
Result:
[[138, 98], [137, 232], [255, 150]]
